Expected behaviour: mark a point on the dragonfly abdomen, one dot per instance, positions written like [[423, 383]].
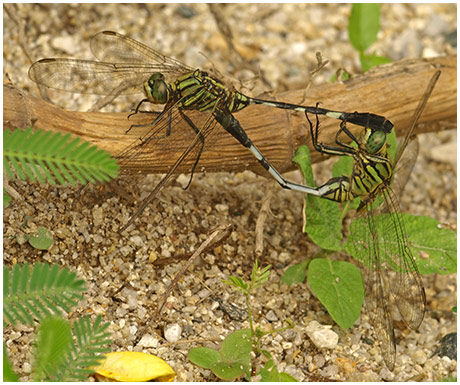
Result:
[[337, 189]]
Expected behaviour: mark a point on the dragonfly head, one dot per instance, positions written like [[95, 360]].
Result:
[[156, 89], [375, 141]]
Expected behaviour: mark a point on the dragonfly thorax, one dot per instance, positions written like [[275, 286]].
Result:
[[156, 89]]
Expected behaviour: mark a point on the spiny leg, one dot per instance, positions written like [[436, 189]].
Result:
[[324, 148], [201, 137], [157, 119]]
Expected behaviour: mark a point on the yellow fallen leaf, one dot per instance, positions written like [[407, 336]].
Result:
[[135, 367]]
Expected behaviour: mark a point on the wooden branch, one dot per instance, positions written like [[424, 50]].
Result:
[[392, 91]]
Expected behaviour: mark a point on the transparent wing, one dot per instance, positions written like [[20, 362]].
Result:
[[138, 155], [377, 292], [417, 113], [392, 278], [90, 77], [404, 280], [124, 66], [110, 46]]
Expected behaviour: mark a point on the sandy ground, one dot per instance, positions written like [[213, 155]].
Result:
[[124, 283]]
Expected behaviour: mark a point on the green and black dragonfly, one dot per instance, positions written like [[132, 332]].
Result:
[[392, 274], [126, 66]]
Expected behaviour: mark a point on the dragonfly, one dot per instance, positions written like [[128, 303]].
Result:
[[392, 274], [126, 66]]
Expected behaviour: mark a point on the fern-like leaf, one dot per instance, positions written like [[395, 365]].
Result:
[[92, 341], [38, 292], [54, 341], [54, 157]]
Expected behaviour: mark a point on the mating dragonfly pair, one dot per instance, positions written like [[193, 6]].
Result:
[[126, 66]]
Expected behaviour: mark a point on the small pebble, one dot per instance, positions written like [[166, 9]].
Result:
[[444, 153], [330, 371], [27, 368], [172, 332], [148, 341], [319, 360], [136, 240], [271, 316], [322, 336], [98, 216], [65, 43], [419, 357]]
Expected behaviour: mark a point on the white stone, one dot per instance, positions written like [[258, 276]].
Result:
[[148, 341], [419, 357], [137, 241], [322, 335], [172, 332]]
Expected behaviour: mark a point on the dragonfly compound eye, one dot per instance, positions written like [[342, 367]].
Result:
[[375, 142], [156, 89]]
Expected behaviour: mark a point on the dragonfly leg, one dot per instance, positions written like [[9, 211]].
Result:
[[146, 138], [136, 111], [324, 148], [200, 135], [343, 128]]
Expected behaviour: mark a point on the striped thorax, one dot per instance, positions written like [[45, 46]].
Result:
[[372, 170], [193, 91]]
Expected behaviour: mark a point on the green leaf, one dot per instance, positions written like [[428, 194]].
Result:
[[53, 344], [40, 155], [92, 342], [269, 373], [433, 248], [259, 275], [344, 75], [339, 287], [229, 371], [236, 282], [392, 145], [43, 240], [284, 377], [295, 273], [372, 60], [323, 221], [204, 357], [343, 166], [38, 292], [303, 159], [237, 346], [9, 375], [364, 25], [6, 198]]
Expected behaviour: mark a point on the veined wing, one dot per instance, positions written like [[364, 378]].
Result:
[[377, 291], [417, 113], [138, 154], [404, 280], [91, 77], [392, 275], [109, 46]]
